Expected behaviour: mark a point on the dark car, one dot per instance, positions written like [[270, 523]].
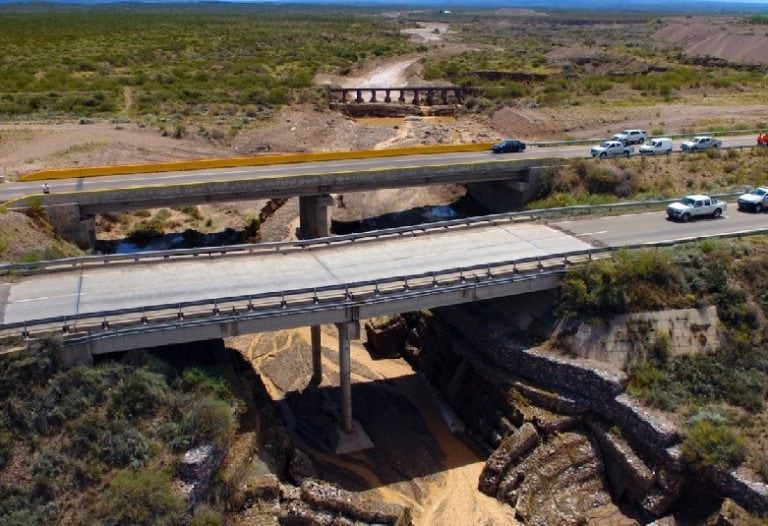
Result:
[[509, 145]]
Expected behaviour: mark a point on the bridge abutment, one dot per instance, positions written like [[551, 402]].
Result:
[[505, 196], [69, 222]]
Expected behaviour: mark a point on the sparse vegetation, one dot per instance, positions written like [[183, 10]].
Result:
[[196, 60], [729, 275], [104, 437], [709, 444]]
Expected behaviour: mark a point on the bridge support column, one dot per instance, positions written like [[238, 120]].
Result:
[[313, 216], [317, 366], [416, 97], [401, 98], [347, 331], [387, 96], [359, 97]]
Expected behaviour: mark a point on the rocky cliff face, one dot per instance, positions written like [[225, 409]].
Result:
[[565, 445]]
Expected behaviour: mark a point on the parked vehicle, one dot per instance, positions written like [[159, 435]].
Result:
[[657, 146], [612, 149], [508, 145], [692, 206], [756, 200], [631, 136], [701, 142], [762, 139]]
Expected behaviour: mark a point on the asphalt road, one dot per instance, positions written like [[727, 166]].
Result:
[[11, 190], [654, 227], [93, 290], [101, 289]]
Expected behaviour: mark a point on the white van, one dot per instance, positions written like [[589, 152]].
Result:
[[657, 146]]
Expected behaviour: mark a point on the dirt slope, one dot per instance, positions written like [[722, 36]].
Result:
[[721, 38]]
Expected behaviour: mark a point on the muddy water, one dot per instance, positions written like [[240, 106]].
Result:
[[441, 492]]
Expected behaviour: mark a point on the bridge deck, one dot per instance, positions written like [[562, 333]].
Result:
[[147, 284]]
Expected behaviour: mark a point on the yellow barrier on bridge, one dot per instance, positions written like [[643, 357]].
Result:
[[262, 160]]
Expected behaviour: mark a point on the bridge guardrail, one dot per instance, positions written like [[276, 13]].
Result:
[[343, 295], [284, 246]]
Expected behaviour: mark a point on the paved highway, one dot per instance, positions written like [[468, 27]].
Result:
[[140, 285], [11, 190], [653, 227], [93, 290]]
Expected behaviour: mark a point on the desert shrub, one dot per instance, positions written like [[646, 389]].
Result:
[[640, 280], [251, 228], [36, 211], [142, 213], [6, 448], [193, 212], [708, 444], [49, 463], [139, 394], [17, 508], [142, 497], [205, 516], [207, 419], [122, 445], [72, 392], [651, 385], [705, 378], [179, 131], [35, 364], [201, 381], [144, 231], [85, 432]]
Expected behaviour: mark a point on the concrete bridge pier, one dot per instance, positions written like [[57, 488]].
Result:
[[313, 216], [347, 331], [317, 366]]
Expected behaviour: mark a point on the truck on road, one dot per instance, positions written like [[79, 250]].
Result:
[[702, 142], [698, 205], [612, 149]]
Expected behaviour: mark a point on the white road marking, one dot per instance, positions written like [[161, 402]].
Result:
[[591, 233]]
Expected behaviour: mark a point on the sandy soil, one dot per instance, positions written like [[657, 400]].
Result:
[[717, 37], [441, 488]]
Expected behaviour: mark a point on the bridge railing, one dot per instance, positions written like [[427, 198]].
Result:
[[271, 304], [66, 264]]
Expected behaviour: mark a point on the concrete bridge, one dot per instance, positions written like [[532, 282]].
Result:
[[416, 95], [495, 184], [110, 308]]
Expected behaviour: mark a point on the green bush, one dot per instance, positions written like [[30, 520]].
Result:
[[138, 395], [205, 516], [17, 508], [123, 445], [143, 497], [208, 419], [633, 281], [710, 445], [200, 381]]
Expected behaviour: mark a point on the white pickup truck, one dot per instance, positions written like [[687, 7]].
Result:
[[701, 142], [612, 149], [692, 206]]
